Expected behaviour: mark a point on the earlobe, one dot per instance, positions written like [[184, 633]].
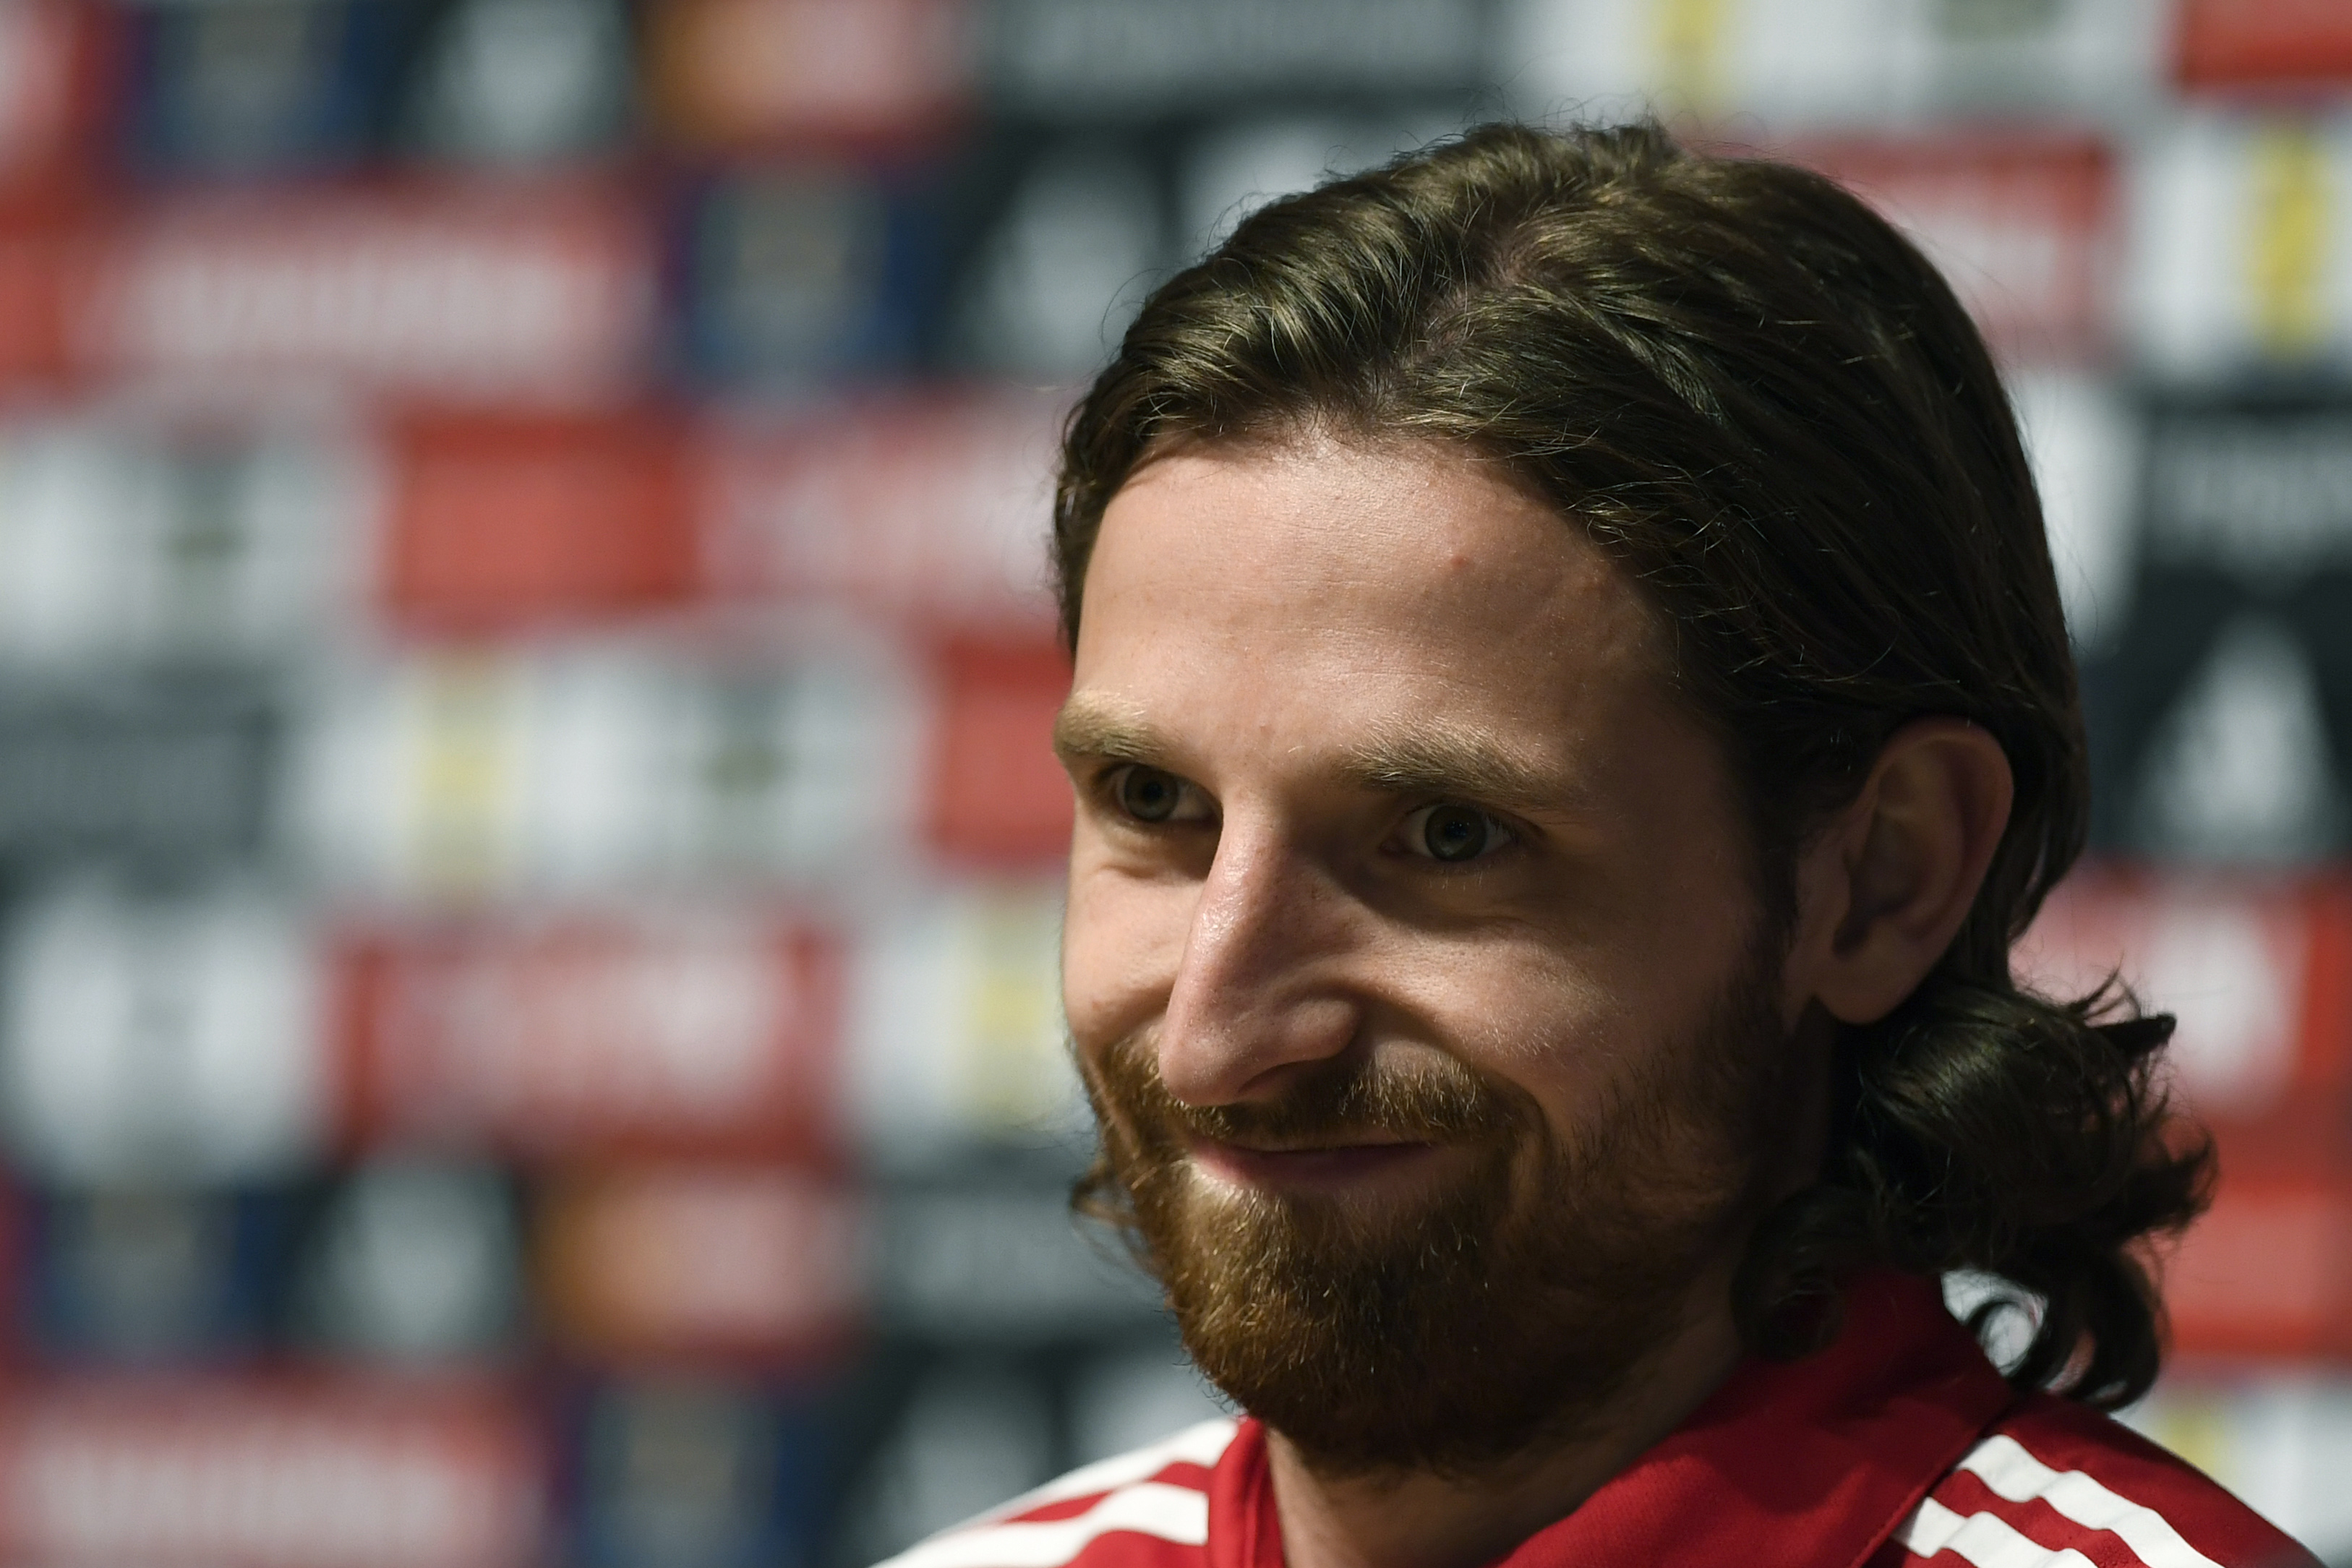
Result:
[[1887, 885]]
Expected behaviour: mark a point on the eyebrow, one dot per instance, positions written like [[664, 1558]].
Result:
[[1467, 763], [1421, 758], [1091, 726]]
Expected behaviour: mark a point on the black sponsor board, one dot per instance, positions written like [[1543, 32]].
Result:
[[2220, 706], [166, 770]]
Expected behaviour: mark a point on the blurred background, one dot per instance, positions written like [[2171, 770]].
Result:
[[527, 856]]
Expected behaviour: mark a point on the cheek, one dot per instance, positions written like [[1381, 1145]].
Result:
[[1542, 1017], [1570, 1019], [1122, 942]]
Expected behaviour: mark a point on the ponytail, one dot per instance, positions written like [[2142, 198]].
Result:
[[1989, 1129]]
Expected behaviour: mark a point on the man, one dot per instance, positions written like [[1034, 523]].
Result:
[[1571, 710]]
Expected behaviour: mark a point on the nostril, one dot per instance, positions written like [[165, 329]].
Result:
[[1254, 1052]]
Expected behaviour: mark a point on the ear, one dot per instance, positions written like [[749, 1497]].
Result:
[[1885, 886]]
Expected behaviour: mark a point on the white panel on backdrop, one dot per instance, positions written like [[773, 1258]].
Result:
[[2084, 445], [523, 80], [2280, 1439], [1805, 64], [1793, 62], [592, 774], [121, 537], [415, 1262], [1232, 170], [1066, 268], [162, 1039], [596, 768], [70, 494], [2065, 60], [407, 775], [828, 788], [2241, 245], [956, 1033]]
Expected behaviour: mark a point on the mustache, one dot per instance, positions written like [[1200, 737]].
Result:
[[1440, 1101]]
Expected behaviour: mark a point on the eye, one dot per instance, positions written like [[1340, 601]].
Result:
[[1147, 794], [1454, 833]]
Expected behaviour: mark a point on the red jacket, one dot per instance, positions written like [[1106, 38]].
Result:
[[1897, 1445]]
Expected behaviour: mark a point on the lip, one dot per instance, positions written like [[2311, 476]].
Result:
[[1334, 1168]]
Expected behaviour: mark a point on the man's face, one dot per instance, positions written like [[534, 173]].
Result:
[[1413, 956]]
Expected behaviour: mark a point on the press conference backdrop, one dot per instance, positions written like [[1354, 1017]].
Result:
[[528, 1019]]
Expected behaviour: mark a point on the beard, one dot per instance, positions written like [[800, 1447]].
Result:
[[1493, 1316]]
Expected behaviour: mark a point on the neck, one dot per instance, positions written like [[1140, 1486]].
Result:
[[1415, 1519]]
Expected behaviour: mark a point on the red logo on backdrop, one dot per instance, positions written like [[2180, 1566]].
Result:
[[998, 794], [56, 80], [506, 520], [48, 244], [545, 295], [2257, 971], [2268, 1271], [2023, 228], [334, 1475], [2225, 43], [587, 1039], [934, 509]]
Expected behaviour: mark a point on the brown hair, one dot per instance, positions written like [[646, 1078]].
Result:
[[1770, 409]]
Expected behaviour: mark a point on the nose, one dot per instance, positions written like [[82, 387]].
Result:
[[1259, 994]]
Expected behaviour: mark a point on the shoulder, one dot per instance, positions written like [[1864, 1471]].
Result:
[[2054, 1485], [1147, 1509]]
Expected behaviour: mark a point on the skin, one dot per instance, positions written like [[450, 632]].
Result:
[[1305, 660]]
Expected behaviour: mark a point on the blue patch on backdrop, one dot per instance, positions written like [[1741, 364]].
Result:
[[271, 87], [149, 1276], [703, 1473], [794, 276]]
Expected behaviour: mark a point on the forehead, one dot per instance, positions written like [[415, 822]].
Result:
[[1315, 586]]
